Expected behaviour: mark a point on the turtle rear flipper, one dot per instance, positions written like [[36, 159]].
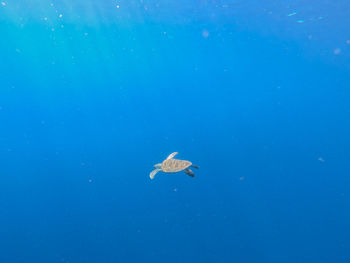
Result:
[[189, 172], [195, 166]]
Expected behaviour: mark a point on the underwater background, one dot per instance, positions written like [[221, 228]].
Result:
[[94, 93]]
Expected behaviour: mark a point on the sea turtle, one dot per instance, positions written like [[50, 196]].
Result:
[[171, 165]]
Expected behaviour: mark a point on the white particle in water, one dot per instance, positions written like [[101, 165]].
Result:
[[205, 33], [337, 51], [3, 3]]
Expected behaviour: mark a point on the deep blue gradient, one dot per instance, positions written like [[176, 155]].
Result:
[[94, 93]]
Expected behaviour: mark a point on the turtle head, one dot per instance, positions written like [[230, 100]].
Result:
[[158, 165]]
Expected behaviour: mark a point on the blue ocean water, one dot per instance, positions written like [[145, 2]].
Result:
[[94, 93]]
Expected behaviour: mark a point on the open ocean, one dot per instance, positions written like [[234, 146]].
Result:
[[93, 94]]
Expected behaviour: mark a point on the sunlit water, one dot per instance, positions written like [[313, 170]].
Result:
[[94, 93]]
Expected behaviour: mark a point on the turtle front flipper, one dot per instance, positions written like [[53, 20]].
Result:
[[153, 173], [171, 156], [189, 172]]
